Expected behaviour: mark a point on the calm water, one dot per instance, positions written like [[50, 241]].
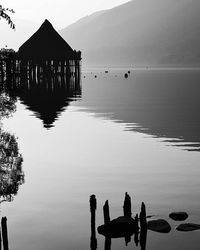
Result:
[[108, 136]]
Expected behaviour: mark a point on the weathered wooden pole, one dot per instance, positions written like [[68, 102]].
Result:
[[143, 227], [62, 67], [4, 233], [108, 242], [136, 239], [127, 205], [106, 213], [8, 68], [143, 217], [93, 206], [0, 239]]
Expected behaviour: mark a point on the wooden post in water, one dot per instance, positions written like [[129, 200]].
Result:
[[143, 218], [106, 213], [143, 227], [0, 239], [108, 243], [4, 233], [136, 240], [93, 206], [127, 205]]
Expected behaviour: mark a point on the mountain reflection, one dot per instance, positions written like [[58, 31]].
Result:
[[161, 103], [46, 96]]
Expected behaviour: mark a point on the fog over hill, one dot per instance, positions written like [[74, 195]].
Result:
[[140, 33]]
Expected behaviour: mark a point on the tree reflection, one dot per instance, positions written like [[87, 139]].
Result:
[[7, 104], [11, 174]]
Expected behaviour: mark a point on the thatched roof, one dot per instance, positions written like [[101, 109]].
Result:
[[46, 43]]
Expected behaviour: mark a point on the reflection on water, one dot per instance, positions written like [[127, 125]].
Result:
[[48, 96], [161, 103], [124, 227], [11, 174], [85, 154]]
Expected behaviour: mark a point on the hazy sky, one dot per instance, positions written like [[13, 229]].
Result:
[[60, 12]]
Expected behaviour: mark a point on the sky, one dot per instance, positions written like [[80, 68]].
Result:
[[60, 12]]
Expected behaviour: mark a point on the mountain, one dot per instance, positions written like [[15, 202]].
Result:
[[140, 33]]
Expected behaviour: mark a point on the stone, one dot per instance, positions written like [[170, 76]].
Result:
[[160, 225], [178, 216], [187, 227], [119, 227]]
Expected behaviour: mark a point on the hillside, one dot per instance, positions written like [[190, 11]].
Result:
[[140, 32]]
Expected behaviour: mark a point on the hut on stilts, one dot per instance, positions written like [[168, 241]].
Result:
[[45, 53]]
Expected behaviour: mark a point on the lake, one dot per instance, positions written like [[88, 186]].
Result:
[[106, 135]]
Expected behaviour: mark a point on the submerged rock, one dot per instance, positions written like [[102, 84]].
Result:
[[186, 227], [160, 225], [119, 227], [178, 216]]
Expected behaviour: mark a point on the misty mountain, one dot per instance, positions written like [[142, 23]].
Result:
[[140, 32]]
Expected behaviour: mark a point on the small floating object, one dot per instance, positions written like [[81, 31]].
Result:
[[178, 216], [119, 227], [106, 71], [126, 75], [187, 227], [160, 226], [129, 72], [95, 76]]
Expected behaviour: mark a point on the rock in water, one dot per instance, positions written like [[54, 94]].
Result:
[[161, 226], [118, 227], [178, 216], [186, 227]]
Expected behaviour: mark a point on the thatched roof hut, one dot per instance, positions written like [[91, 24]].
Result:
[[47, 44]]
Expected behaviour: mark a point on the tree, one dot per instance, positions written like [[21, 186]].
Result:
[[4, 15]]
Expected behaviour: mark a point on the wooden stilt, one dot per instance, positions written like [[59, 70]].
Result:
[[127, 205], [106, 213], [4, 233]]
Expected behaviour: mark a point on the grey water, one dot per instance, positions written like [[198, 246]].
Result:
[[108, 136]]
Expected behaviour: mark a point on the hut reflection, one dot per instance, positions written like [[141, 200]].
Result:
[[46, 95]]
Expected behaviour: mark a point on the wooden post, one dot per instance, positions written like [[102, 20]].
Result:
[[0, 239], [143, 227], [62, 67], [136, 240], [108, 242], [4, 233], [127, 205], [106, 213], [143, 218], [93, 206]]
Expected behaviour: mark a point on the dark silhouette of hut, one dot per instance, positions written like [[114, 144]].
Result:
[[46, 43], [47, 52]]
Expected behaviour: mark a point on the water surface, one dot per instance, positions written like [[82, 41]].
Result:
[[107, 136]]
